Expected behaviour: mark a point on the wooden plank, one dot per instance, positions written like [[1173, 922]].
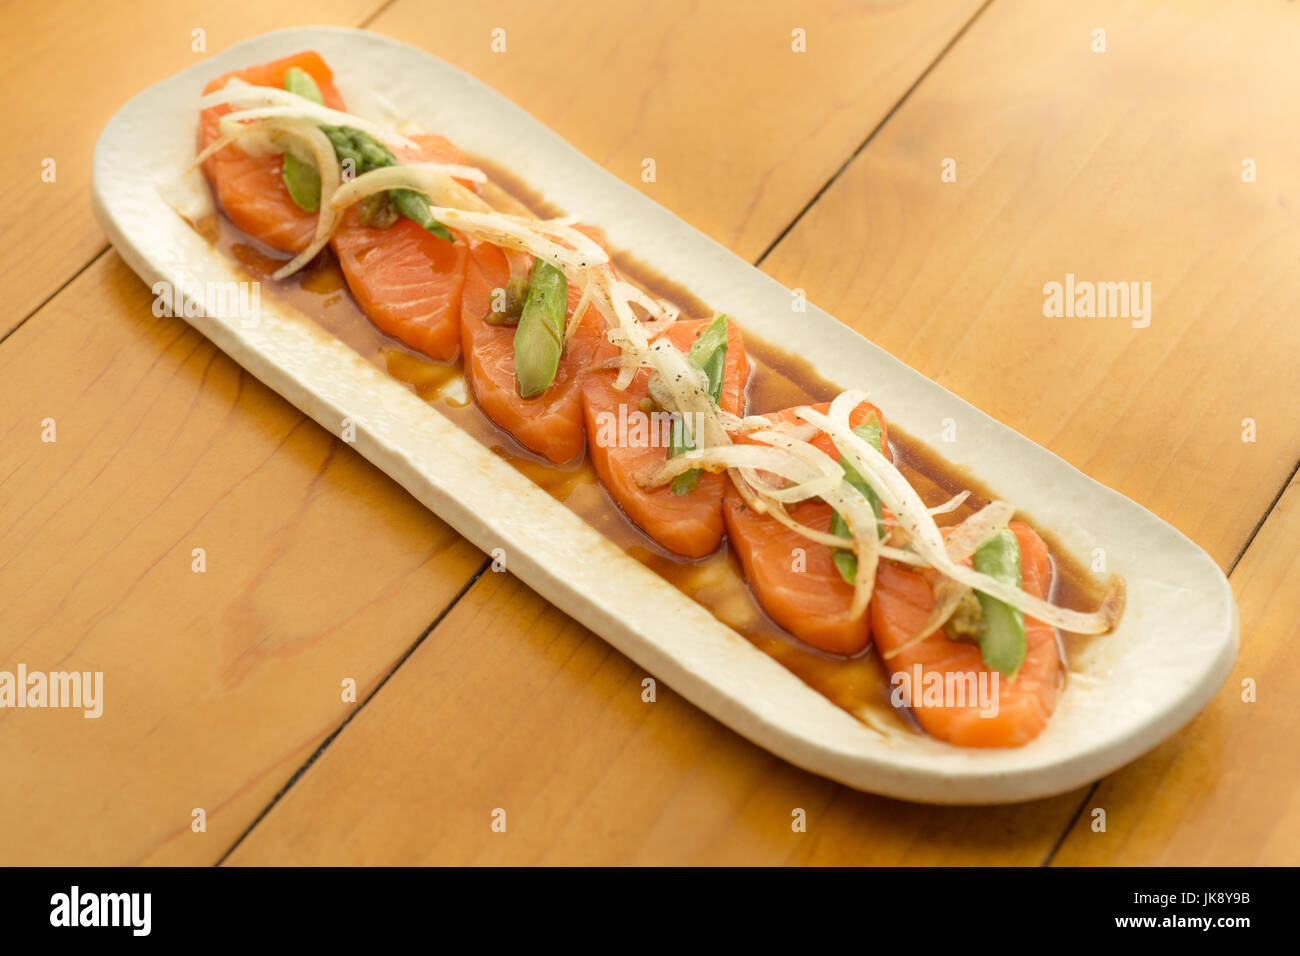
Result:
[[1116, 166], [742, 129], [217, 685], [66, 68], [1225, 791], [510, 704]]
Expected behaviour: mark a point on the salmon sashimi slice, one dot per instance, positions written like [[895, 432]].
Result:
[[795, 579], [689, 525], [250, 189], [899, 608], [549, 424], [405, 279]]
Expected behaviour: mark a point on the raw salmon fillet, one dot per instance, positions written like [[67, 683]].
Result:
[[405, 279], [549, 424], [250, 189], [901, 603], [794, 579], [689, 525]]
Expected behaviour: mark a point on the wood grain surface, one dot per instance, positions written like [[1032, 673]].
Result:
[[474, 694], [220, 683], [743, 131], [1223, 791], [66, 67], [1114, 167], [511, 705]]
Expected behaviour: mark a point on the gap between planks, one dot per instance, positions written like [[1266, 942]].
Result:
[[53, 295], [871, 135], [329, 739], [1092, 790], [370, 18]]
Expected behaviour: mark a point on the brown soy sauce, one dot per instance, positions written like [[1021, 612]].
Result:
[[778, 380]]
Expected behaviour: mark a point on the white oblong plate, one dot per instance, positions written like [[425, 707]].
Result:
[[1173, 649]]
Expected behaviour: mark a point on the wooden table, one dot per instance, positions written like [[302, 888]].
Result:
[[824, 168]]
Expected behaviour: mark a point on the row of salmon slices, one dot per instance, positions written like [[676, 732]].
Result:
[[436, 296]]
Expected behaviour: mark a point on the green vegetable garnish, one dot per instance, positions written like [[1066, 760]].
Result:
[[512, 306], [302, 181], [299, 82], [302, 178], [709, 354], [539, 339], [377, 212], [362, 154], [1002, 627], [964, 625], [680, 442], [367, 154], [846, 562], [415, 207], [340, 138]]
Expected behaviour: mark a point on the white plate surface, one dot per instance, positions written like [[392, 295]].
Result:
[[1173, 649]]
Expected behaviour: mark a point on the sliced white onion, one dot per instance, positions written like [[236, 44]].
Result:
[[851, 504], [800, 467], [903, 556], [952, 504], [686, 389], [861, 518], [266, 102], [899, 496], [534, 221], [580, 254], [321, 151], [756, 503], [225, 139], [658, 325], [455, 170], [964, 539], [580, 309], [824, 473], [632, 334], [943, 508], [327, 166], [434, 180], [734, 423], [722, 457], [815, 486]]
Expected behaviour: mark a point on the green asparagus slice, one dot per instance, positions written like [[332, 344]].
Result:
[[539, 339], [1002, 627], [355, 150], [301, 178], [415, 207], [340, 138], [303, 182], [709, 354], [299, 82]]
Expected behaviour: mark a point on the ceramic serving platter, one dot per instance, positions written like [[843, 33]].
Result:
[[1172, 650]]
